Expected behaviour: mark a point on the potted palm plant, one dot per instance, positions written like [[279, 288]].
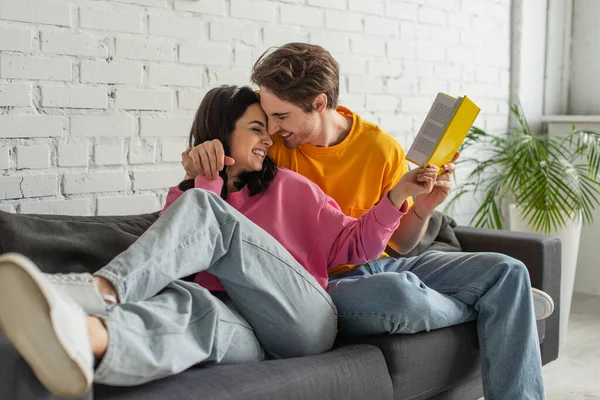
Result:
[[549, 184]]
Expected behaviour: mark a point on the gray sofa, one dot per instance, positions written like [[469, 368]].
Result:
[[441, 364]]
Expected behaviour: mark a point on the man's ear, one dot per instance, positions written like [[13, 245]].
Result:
[[320, 103]]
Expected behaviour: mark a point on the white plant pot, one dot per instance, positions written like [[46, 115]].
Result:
[[569, 237]]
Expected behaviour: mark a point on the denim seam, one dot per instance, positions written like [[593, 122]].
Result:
[[487, 358], [318, 288], [465, 289], [156, 331], [110, 350]]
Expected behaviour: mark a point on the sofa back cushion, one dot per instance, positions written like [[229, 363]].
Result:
[[64, 243]]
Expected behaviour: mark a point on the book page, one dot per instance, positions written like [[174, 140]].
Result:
[[433, 128]]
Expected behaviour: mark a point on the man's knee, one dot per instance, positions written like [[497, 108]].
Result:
[[511, 269], [510, 264], [385, 290], [403, 287]]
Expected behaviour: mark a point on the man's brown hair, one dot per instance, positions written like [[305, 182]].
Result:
[[297, 73]]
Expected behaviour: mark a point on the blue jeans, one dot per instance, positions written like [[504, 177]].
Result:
[[436, 290], [164, 325]]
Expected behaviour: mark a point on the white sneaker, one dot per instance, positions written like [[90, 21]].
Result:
[[82, 288], [46, 328], [542, 303]]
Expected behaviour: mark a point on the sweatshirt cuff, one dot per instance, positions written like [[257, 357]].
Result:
[[214, 185], [387, 214]]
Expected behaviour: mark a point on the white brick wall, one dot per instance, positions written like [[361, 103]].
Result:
[[92, 126], [74, 97], [257, 10], [108, 154], [301, 15], [23, 126], [120, 205], [40, 185], [17, 95], [95, 182], [171, 151], [166, 25], [144, 99], [170, 127], [118, 21], [73, 155], [4, 158], [97, 98], [142, 152], [189, 99], [7, 208], [33, 157], [156, 179], [16, 40], [215, 7], [38, 12], [10, 187], [145, 49], [115, 72], [32, 67], [84, 45], [168, 75], [71, 207], [205, 54], [229, 31]]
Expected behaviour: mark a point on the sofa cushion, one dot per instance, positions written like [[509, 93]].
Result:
[[61, 243], [428, 363], [351, 372]]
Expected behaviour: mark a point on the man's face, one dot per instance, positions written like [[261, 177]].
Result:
[[295, 126]]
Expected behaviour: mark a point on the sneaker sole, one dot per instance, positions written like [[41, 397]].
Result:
[[543, 296], [22, 293]]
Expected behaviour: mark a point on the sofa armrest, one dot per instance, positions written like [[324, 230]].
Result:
[[542, 256]]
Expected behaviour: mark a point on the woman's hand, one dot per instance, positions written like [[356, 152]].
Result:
[[416, 182], [428, 202], [207, 159]]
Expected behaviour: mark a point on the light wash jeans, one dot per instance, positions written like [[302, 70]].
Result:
[[164, 325], [436, 290]]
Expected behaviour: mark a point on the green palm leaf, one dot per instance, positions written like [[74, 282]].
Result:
[[551, 179]]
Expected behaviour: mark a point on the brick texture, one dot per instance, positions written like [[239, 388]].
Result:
[[98, 99]]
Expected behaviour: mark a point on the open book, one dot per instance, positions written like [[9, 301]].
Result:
[[443, 131]]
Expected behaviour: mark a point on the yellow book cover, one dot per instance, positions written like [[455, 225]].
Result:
[[443, 130]]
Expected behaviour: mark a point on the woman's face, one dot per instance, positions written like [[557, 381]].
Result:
[[250, 141]]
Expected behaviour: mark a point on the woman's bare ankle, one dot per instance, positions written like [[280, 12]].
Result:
[[105, 287], [98, 336]]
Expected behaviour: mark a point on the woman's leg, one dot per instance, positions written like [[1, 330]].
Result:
[[290, 312], [182, 326]]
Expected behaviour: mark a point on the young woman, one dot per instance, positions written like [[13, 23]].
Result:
[[261, 241]]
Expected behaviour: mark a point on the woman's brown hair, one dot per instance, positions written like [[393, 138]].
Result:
[[215, 119]]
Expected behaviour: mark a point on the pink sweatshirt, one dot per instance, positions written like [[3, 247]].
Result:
[[308, 223]]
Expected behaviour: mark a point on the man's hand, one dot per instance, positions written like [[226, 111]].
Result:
[[428, 202], [207, 159]]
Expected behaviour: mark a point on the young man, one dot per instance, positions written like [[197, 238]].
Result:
[[355, 162]]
